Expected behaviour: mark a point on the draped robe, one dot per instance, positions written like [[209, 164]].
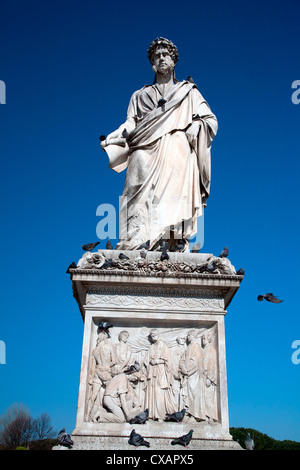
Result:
[[167, 183]]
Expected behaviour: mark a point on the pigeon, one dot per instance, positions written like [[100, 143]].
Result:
[[72, 266], [122, 256], [164, 245], [270, 298], [133, 368], [64, 438], [196, 248], [240, 272], [161, 102], [177, 416], [224, 253], [190, 79], [141, 418], [125, 134], [249, 442], [183, 440], [137, 440], [144, 245], [109, 245], [90, 246], [164, 256], [143, 253], [180, 245], [211, 267], [107, 264], [104, 326]]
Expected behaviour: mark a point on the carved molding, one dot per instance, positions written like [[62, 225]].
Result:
[[155, 302]]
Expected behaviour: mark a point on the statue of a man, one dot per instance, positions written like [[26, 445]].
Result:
[[169, 130]]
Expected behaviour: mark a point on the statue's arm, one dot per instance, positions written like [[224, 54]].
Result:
[[128, 125]]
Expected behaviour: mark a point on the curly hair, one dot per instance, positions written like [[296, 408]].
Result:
[[166, 43]]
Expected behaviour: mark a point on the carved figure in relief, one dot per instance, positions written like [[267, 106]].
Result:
[[166, 375], [123, 353], [120, 400], [210, 374], [177, 354], [100, 374], [159, 397], [192, 371]]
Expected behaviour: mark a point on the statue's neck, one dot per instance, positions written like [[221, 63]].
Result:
[[164, 82]]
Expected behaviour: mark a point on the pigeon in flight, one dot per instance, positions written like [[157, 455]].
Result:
[[64, 438], [270, 298], [137, 440], [249, 442], [141, 418], [183, 440], [177, 416], [89, 246], [224, 253]]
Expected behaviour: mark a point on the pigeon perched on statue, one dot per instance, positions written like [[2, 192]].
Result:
[[240, 272], [89, 246], [141, 418], [104, 326], [72, 266], [144, 245], [183, 440], [177, 416], [180, 245], [123, 257], [137, 440], [64, 438], [164, 256], [109, 245], [196, 248], [270, 298], [224, 253]]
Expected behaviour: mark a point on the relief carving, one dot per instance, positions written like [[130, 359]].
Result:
[[159, 370]]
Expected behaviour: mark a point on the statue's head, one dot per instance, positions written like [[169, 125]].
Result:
[[165, 43]]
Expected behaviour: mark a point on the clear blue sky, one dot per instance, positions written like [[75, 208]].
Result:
[[70, 68]]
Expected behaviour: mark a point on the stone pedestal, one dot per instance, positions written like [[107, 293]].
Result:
[[175, 297]]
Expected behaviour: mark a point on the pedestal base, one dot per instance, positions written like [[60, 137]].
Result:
[[178, 299]]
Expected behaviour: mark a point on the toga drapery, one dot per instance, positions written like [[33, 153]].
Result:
[[167, 182]]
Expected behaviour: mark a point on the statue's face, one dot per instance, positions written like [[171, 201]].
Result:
[[162, 61]]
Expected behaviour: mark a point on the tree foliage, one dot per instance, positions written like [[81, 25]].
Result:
[[262, 441], [18, 429]]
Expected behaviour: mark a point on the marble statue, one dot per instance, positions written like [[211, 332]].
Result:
[[165, 144]]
